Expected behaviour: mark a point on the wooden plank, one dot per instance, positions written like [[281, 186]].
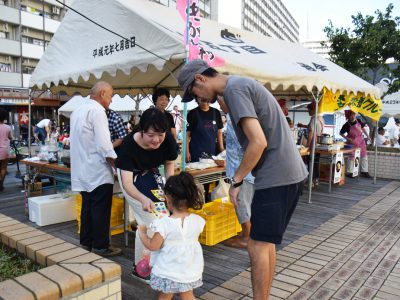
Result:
[[221, 262]]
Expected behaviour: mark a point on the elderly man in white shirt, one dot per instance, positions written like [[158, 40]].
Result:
[[92, 158]]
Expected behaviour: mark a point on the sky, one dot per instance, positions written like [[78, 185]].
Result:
[[318, 12], [313, 15]]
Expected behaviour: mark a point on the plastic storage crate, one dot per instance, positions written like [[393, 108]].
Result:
[[117, 214], [221, 222]]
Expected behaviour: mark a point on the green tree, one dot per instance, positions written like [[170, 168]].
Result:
[[367, 46]]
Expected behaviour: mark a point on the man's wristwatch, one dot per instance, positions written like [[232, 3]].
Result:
[[233, 183]]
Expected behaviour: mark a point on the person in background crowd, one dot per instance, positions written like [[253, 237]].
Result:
[[285, 110], [117, 129], [395, 133], [366, 135], [204, 135], [161, 99], [92, 159], [142, 153], [224, 126], [270, 153], [56, 133], [234, 155], [381, 141], [310, 139], [131, 123], [42, 130], [352, 131], [65, 139], [177, 121], [5, 139]]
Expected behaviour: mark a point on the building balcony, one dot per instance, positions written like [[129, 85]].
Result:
[[9, 14], [10, 47], [32, 51], [31, 20], [36, 21], [10, 79]]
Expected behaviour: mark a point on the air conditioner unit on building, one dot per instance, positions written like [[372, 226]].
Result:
[[55, 10], [5, 27]]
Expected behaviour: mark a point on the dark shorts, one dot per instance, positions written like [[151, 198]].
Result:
[[271, 211]]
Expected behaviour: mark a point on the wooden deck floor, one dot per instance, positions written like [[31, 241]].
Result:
[[221, 262]]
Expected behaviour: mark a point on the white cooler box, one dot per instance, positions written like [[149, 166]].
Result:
[[51, 209]]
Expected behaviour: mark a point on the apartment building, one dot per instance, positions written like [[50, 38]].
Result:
[[271, 18], [206, 6], [268, 17], [316, 47], [26, 27]]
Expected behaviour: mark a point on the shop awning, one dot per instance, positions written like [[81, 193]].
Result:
[[118, 104]]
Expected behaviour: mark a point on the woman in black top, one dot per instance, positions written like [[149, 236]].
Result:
[[142, 152], [161, 100]]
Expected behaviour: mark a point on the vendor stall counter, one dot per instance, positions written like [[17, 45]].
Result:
[[55, 171], [329, 156]]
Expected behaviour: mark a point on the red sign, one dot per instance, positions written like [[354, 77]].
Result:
[[23, 116]]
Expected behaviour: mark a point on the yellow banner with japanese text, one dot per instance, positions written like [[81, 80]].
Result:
[[368, 106]]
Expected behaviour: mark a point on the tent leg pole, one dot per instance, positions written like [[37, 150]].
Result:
[[311, 170], [376, 151], [183, 154], [30, 122]]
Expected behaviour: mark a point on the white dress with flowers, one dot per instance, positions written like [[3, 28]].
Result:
[[178, 265]]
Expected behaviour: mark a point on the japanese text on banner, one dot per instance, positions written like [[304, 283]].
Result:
[[367, 105], [195, 50]]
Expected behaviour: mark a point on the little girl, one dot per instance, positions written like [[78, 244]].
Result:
[[177, 257]]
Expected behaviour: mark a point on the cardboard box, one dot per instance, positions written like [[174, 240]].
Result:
[[324, 173], [35, 189]]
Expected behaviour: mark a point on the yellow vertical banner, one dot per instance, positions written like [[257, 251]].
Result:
[[366, 105]]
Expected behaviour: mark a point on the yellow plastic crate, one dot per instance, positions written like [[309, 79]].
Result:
[[221, 222], [117, 214]]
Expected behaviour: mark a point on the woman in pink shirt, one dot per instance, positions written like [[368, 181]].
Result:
[[5, 138]]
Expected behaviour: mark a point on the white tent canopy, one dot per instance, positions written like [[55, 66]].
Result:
[[81, 53], [391, 105], [126, 104]]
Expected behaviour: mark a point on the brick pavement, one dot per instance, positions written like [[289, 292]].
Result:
[[355, 255]]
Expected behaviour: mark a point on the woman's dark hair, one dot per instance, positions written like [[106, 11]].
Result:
[[160, 92], [153, 118], [183, 191], [381, 129], [3, 114]]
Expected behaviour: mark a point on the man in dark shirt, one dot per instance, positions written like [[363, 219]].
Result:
[[161, 99], [353, 131], [204, 133]]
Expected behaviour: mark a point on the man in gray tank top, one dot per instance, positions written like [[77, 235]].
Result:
[[270, 153]]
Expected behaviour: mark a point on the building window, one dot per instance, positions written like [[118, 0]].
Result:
[[5, 67], [27, 69]]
